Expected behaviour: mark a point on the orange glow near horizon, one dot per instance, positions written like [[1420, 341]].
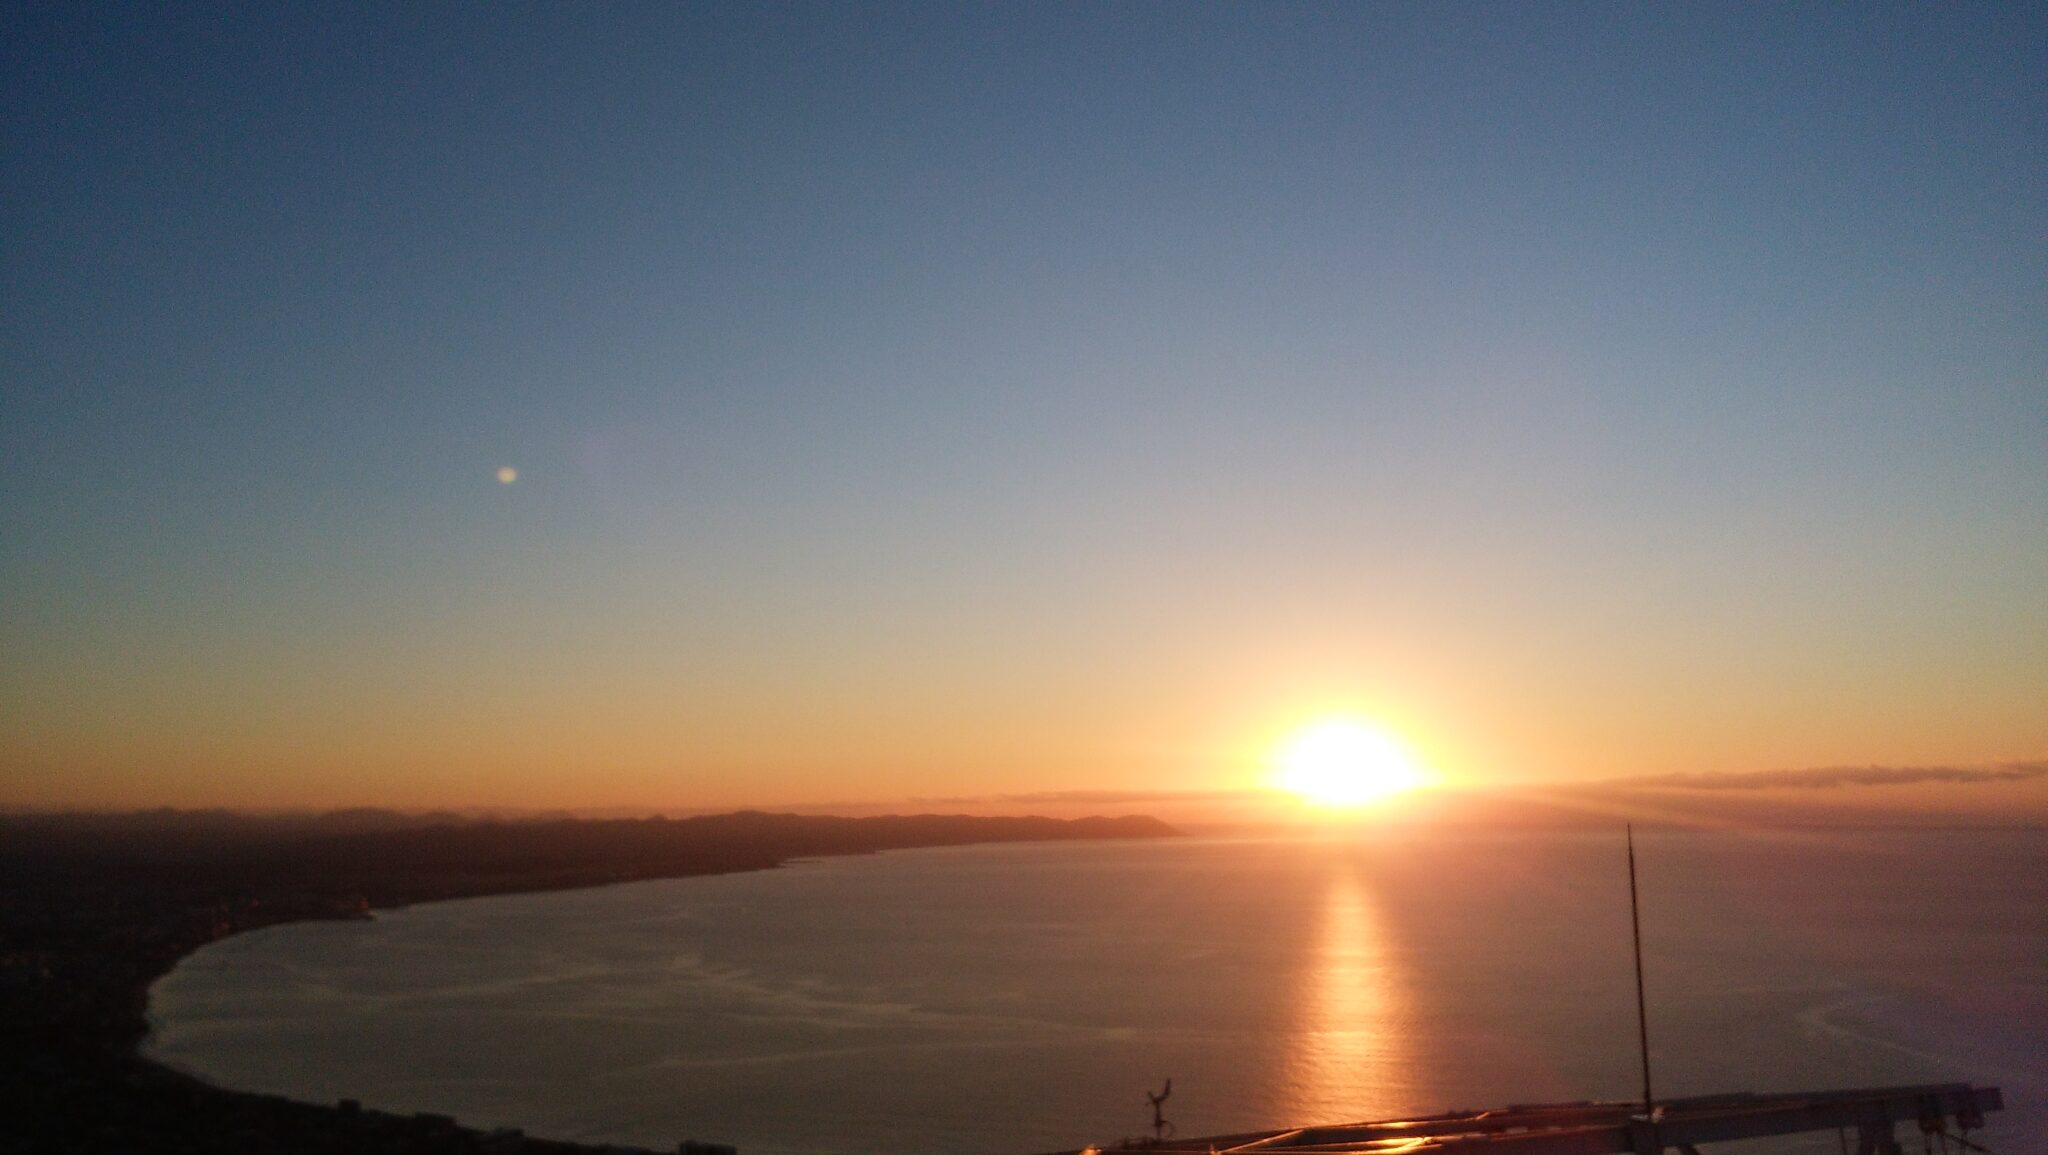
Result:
[[1341, 763]]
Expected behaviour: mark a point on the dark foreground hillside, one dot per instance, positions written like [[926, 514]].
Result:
[[95, 908]]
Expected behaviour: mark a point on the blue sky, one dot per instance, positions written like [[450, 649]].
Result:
[[936, 399]]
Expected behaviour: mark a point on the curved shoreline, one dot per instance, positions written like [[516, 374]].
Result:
[[408, 1130], [91, 923]]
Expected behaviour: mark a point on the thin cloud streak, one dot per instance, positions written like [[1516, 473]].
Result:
[[1834, 777]]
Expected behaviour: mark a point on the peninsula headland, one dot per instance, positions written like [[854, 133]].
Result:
[[95, 907]]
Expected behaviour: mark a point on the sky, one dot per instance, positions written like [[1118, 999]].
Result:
[[950, 401]]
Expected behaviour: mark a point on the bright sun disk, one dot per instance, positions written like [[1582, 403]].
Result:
[[1341, 763]]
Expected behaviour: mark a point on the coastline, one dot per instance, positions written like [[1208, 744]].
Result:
[[92, 920]]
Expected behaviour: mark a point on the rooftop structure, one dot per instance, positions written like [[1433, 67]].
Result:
[[1868, 1119]]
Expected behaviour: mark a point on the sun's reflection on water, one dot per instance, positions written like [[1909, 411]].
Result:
[[1352, 1052]]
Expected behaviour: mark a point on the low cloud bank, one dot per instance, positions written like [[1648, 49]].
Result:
[[1833, 777], [1090, 798]]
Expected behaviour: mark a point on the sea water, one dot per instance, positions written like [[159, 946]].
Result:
[[1016, 998]]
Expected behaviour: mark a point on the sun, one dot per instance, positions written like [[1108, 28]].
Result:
[[1342, 763]]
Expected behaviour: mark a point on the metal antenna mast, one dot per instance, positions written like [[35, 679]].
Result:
[[1635, 921]]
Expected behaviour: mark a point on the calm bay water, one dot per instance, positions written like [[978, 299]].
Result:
[[1023, 998]]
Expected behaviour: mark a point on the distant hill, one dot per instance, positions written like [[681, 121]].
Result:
[[393, 857]]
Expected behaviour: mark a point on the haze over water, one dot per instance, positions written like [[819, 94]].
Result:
[[1023, 998]]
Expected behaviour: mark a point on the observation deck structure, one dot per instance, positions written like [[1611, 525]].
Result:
[[1872, 1117]]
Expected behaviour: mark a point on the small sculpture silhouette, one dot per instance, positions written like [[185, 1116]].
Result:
[[1160, 1127]]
